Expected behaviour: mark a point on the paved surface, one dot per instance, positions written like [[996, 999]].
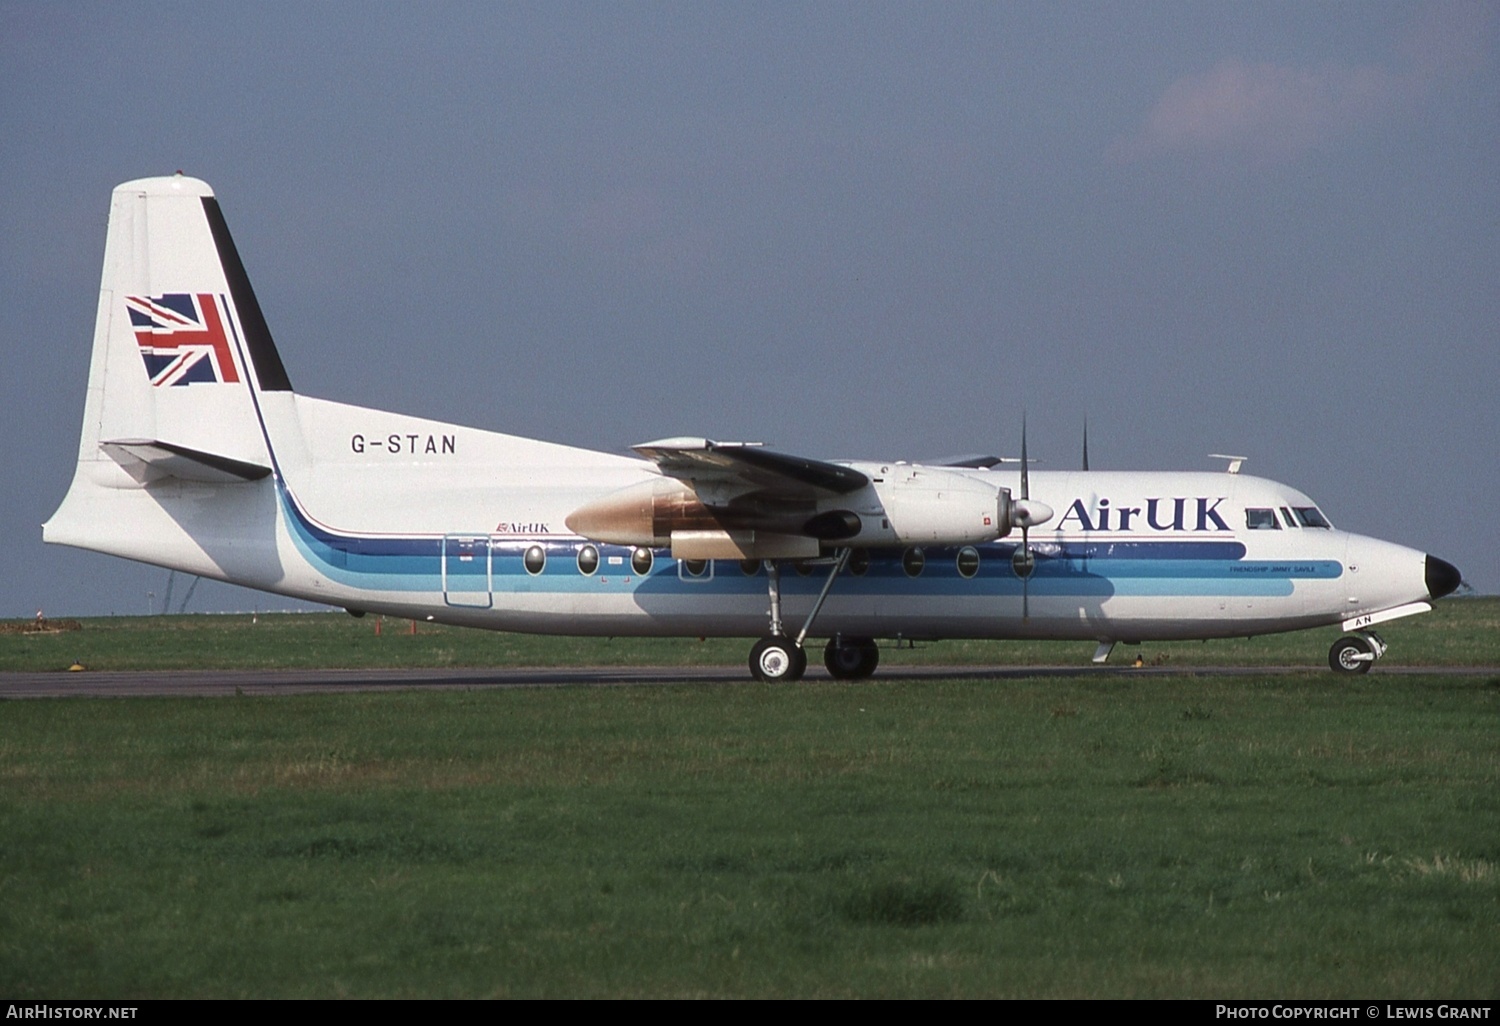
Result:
[[210, 683]]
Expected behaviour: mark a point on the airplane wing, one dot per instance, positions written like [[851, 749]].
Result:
[[970, 461], [748, 466], [720, 500]]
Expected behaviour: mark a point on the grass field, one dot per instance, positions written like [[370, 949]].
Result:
[[1462, 632], [1095, 836]]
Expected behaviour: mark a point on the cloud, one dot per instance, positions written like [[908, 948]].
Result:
[[1270, 113]]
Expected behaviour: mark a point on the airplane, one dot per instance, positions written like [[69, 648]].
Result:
[[197, 455]]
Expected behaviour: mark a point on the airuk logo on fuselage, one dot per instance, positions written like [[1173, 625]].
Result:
[[1178, 513]]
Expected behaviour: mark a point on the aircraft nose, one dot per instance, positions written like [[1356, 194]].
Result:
[[1443, 577]]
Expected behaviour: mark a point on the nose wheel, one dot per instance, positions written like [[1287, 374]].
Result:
[[1356, 653]]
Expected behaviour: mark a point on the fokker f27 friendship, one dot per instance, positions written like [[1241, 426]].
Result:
[[197, 455]]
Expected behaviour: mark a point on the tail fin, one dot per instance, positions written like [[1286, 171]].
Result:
[[181, 355]]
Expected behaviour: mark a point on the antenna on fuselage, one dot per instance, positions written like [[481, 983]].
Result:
[[1235, 462], [1085, 443]]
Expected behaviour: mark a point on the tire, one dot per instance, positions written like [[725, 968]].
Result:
[[1351, 655], [853, 659], [777, 660]]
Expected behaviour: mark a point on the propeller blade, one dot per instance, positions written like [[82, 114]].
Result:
[[1025, 475], [1026, 580], [1025, 531]]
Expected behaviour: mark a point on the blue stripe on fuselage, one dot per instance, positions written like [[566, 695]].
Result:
[[415, 563]]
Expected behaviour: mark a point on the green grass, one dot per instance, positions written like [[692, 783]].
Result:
[[1462, 632], [1289, 836], [1292, 836]]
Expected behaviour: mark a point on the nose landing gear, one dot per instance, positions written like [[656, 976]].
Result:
[[1356, 653]]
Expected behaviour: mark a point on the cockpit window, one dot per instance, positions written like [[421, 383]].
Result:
[[1261, 520], [1286, 515], [1311, 517]]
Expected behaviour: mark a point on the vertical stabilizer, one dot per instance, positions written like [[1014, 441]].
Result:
[[180, 349], [179, 335]]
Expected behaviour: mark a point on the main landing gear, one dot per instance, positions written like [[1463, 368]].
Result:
[[1356, 653], [777, 657], [851, 658]]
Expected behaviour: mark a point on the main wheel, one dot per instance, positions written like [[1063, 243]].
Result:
[[1351, 655], [851, 658], [777, 658]]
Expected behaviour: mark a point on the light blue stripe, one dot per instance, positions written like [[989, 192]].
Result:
[[415, 564]]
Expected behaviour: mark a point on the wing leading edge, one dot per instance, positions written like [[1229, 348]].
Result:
[[779, 475]]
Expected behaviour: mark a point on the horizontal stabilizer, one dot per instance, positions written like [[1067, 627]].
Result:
[[147, 458]]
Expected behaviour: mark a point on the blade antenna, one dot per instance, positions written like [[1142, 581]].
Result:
[[1085, 443]]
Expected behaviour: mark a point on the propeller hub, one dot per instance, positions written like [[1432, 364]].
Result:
[[1030, 513]]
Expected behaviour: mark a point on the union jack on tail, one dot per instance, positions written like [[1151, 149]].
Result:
[[181, 338]]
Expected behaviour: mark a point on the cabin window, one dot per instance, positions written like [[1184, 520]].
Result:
[[1311, 517], [968, 561], [641, 560], [1261, 520], [535, 560], [912, 561], [1286, 515], [588, 560], [802, 566], [859, 562], [749, 567], [695, 567]]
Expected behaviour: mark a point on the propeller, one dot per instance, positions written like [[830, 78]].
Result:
[[1028, 561], [1027, 513], [1022, 560]]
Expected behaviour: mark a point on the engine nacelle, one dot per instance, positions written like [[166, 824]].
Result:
[[931, 506], [903, 505], [666, 513], [643, 514]]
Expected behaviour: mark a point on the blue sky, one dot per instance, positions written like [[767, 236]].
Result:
[[844, 229]]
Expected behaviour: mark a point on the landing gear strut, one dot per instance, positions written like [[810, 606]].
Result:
[[778, 658], [1356, 653]]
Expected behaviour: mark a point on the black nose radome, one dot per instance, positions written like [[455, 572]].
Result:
[[1443, 577]]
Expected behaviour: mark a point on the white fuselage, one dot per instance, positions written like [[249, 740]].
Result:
[[196, 454], [393, 514]]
